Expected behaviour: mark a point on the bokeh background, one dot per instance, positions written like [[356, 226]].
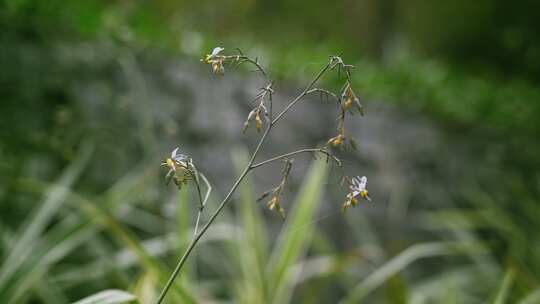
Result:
[[94, 94]]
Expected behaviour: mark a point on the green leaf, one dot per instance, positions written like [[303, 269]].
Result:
[[60, 241], [297, 233], [502, 294], [35, 224], [253, 244], [111, 296], [531, 298], [401, 261]]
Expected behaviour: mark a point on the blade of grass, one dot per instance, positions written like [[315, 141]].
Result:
[[120, 261], [36, 223], [145, 288], [400, 262], [531, 298], [111, 296], [252, 243], [63, 240], [453, 285], [119, 233], [296, 234], [184, 216], [50, 293], [462, 225], [124, 236], [502, 294]]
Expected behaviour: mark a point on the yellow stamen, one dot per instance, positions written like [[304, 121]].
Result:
[[364, 194], [170, 163]]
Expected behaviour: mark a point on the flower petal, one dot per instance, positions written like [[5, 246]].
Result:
[[173, 153], [363, 182], [216, 51]]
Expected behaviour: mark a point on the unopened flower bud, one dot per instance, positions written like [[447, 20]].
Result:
[[274, 204], [348, 103], [258, 122], [337, 141]]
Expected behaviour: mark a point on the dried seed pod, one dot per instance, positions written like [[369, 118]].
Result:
[[258, 121], [274, 204]]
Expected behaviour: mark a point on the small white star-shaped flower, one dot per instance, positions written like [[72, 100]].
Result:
[[358, 187], [216, 51], [177, 156]]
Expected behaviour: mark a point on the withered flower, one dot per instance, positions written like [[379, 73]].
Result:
[[274, 204], [255, 114], [258, 121], [260, 111], [337, 141], [349, 100]]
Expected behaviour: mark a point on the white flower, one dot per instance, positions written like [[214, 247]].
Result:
[[215, 60], [216, 51], [358, 187], [177, 156], [179, 168]]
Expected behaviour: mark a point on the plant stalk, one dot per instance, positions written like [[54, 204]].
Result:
[[246, 170]]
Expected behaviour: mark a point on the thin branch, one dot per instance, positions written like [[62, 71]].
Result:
[[286, 155], [325, 92], [304, 93], [197, 221], [242, 59], [208, 188], [203, 203]]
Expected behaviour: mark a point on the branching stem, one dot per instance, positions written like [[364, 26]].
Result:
[[250, 166], [286, 155], [202, 201]]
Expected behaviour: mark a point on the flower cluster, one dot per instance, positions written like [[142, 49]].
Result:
[[348, 102], [275, 202], [181, 168], [260, 111], [341, 139], [357, 188], [216, 61]]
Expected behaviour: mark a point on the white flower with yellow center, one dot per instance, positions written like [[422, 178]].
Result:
[[178, 165], [216, 60], [357, 189]]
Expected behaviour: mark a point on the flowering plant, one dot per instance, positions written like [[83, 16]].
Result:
[[182, 169]]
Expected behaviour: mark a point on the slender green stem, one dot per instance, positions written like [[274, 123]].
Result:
[[211, 220], [247, 59], [304, 93], [282, 156], [246, 170]]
